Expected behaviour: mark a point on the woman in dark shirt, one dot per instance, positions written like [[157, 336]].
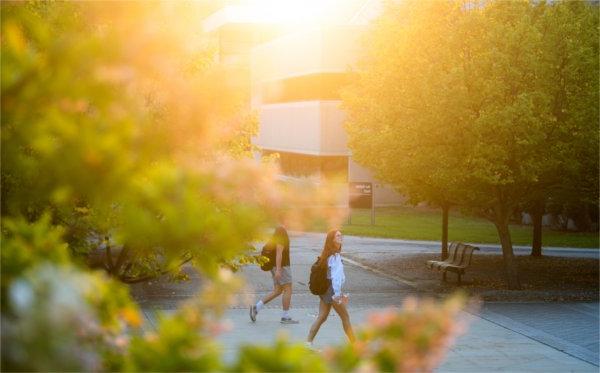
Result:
[[282, 277]]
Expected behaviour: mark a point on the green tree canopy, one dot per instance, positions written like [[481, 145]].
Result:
[[455, 102]]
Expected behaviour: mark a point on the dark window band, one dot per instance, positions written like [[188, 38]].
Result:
[[323, 86]]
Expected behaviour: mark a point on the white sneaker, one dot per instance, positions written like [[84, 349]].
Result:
[[253, 313], [311, 347]]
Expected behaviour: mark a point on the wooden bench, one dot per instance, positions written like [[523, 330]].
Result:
[[435, 264], [459, 259]]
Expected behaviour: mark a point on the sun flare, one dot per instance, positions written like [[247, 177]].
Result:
[[291, 11]]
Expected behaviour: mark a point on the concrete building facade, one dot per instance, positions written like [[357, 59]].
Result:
[[296, 77]]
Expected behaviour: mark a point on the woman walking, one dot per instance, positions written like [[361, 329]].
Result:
[[282, 277], [333, 297]]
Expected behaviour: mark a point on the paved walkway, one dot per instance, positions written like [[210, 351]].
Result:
[[568, 327], [504, 336]]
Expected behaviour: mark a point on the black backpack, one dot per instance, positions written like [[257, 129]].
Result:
[[268, 251], [318, 283]]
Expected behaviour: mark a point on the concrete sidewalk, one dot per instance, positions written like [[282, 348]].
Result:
[[505, 336], [486, 346]]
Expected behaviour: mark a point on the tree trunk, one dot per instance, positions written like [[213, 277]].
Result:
[[445, 210], [510, 264], [537, 213], [109, 262], [120, 261]]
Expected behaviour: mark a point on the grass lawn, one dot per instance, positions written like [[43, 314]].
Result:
[[413, 223]]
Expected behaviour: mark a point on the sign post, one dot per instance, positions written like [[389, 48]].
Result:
[[361, 196]]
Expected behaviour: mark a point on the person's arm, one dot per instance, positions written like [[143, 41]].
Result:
[[278, 258], [336, 277]]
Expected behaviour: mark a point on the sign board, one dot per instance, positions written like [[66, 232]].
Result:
[[360, 195]]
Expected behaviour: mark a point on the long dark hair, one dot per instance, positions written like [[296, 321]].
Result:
[[328, 248]]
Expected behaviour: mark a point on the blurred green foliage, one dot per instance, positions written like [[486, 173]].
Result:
[[25, 245], [117, 139], [96, 137], [283, 356]]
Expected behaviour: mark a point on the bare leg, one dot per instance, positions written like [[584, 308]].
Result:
[[343, 312], [286, 299], [277, 289], [324, 309]]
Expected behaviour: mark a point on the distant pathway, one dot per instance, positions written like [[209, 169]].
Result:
[[390, 245]]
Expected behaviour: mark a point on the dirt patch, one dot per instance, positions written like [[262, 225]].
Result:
[[551, 279]]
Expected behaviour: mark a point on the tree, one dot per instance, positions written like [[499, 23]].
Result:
[[570, 37], [388, 91], [452, 95]]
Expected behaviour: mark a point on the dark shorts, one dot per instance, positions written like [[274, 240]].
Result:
[[327, 298]]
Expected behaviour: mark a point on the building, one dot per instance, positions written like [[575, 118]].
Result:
[[295, 80]]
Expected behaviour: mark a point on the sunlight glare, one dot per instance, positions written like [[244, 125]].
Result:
[[291, 11]]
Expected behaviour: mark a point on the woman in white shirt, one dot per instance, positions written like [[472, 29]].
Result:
[[333, 297]]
